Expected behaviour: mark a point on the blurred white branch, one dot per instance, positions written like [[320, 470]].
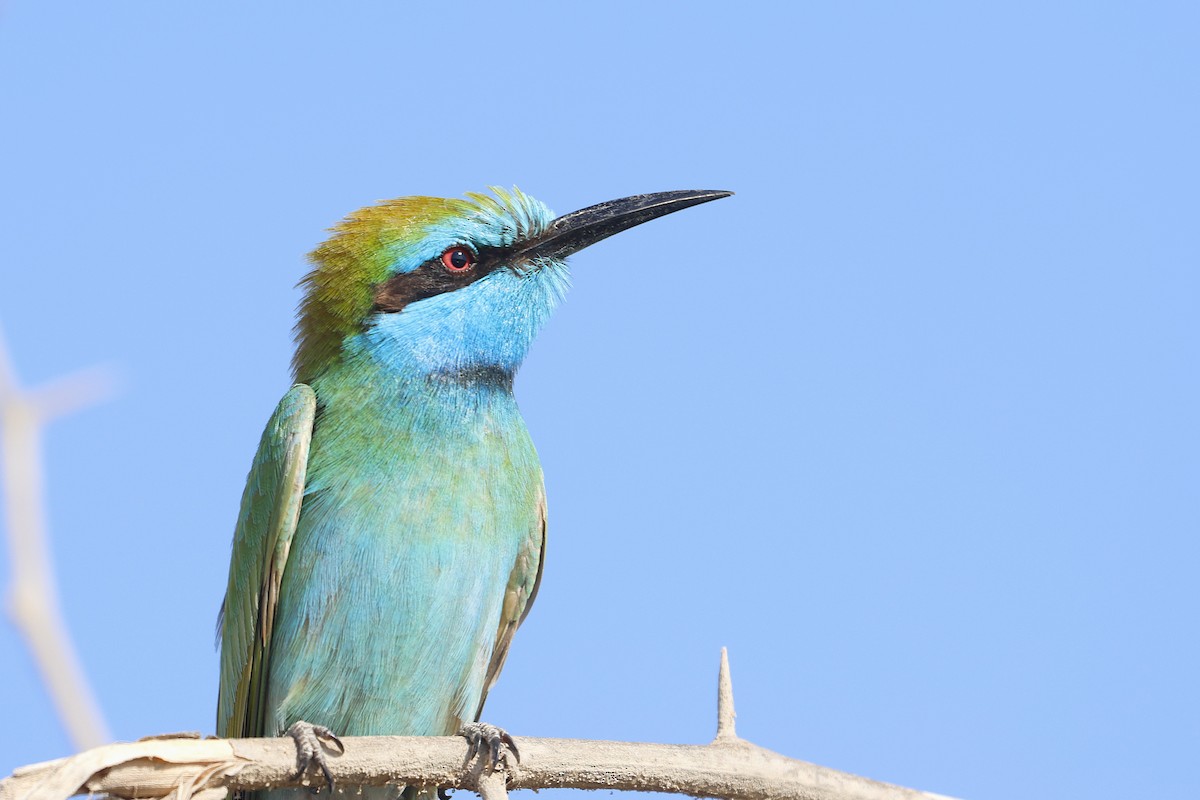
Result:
[[185, 768], [33, 597]]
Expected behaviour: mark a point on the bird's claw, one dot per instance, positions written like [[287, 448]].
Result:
[[480, 735], [311, 741]]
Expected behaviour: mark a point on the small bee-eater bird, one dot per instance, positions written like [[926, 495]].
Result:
[[393, 527]]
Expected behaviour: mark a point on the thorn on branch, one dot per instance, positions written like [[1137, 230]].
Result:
[[726, 730]]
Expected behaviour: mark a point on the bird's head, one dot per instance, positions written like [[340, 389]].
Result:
[[441, 286]]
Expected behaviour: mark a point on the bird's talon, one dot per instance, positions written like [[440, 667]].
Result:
[[330, 738], [484, 738], [328, 778], [512, 745], [310, 743]]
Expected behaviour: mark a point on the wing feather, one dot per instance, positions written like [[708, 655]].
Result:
[[261, 542], [522, 588]]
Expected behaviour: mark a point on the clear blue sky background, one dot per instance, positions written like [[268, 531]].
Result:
[[910, 423]]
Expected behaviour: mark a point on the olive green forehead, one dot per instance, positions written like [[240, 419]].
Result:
[[361, 245]]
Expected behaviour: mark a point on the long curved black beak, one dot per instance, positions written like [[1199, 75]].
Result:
[[573, 232]]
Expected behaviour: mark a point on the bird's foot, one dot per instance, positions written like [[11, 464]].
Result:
[[484, 738], [311, 741]]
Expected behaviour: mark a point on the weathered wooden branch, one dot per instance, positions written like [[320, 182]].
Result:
[[183, 767], [206, 769]]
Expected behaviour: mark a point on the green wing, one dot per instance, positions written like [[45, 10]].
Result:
[[522, 588], [266, 523]]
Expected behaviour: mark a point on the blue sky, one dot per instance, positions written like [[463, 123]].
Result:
[[909, 424]]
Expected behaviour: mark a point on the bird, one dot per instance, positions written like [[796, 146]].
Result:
[[392, 532]]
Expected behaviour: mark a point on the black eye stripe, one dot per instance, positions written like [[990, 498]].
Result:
[[429, 280]]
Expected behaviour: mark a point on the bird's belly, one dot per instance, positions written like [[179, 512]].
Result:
[[392, 595]]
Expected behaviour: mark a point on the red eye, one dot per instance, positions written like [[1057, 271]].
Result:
[[458, 259]]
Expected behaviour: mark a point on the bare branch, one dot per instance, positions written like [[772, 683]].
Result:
[[186, 768], [33, 598], [161, 767], [182, 767], [64, 396], [492, 786]]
